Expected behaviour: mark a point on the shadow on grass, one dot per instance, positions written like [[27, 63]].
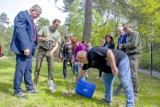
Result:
[[68, 92]]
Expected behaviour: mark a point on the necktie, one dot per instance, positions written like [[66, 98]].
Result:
[[34, 30]]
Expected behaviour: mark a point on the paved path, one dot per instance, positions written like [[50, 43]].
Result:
[[155, 74]]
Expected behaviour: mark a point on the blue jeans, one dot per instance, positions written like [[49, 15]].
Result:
[[124, 75], [23, 69], [77, 67]]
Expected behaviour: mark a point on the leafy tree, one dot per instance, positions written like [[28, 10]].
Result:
[[99, 29], [4, 19], [75, 19], [42, 22], [4, 34], [145, 17]]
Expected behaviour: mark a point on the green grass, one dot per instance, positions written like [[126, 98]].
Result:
[[149, 90]]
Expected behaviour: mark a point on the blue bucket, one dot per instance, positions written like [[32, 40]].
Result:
[[85, 88]]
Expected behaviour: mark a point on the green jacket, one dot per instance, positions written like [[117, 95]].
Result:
[[53, 37], [133, 43]]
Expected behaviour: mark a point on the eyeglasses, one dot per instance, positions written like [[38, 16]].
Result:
[[124, 28]]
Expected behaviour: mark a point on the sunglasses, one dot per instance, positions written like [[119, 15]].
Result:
[[124, 28]]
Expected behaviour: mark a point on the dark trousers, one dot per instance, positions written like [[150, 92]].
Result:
[[65, 67], [100, 73], [23, 69], [41, 54]]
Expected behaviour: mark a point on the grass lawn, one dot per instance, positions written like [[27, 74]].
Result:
[[149, 90]]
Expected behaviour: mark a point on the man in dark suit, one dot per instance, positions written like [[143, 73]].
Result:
[[122, 38], [23, 44]]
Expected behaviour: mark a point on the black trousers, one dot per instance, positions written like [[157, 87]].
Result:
[[65, 67]]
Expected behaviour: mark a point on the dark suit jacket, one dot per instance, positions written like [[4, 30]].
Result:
[[23, 35]]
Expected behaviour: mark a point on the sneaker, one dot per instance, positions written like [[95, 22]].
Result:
[[105, 101], [34, 85], [21, 95], [51, 86], [33, 91]]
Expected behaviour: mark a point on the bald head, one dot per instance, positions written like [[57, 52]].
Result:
[[120, 30], [81, 57], [81, 54]]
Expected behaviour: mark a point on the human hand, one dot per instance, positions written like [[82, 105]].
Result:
[[51, 53], [60, 55], [76, 81], [72, 61], [46, 40], [114, 70], [26, 52], [120, 46], [81, 65]]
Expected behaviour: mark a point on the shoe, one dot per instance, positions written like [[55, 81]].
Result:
[[105, 101], [65, 78], [34, 85], [51, 86], [135, 95], [33, 91], [21, 95]]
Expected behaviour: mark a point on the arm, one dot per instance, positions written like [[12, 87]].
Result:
[[133, 41], [20, 23], [111, 59], [61, 50], [81, 73], [54, 49], [40, 38]]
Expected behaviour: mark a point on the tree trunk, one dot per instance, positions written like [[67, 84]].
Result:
[[88, 21]]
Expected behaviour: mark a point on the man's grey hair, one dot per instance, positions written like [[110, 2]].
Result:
[[36, 7], [81, 54], [120, 28]]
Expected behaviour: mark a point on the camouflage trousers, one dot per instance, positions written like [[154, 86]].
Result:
[[41, 54], [134, 63]]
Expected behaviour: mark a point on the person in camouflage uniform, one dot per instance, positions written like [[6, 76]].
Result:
[[49, 39]]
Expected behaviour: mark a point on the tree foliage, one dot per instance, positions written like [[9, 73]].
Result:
[[146, 15], [4, 19], [42, 22], [75, 19]]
